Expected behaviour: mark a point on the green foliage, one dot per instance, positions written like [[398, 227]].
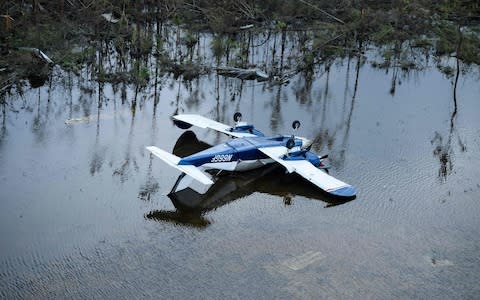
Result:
[[308, 60], [139, 73], [217, 46], [141, 43], [280, 25], [422, 42], [469, 51], [220, 44], [447, 70], [441, 28], [190, 40], [384, 34], [144, 74], [177, 20], [388, 53], [73, 59], [43, 36]]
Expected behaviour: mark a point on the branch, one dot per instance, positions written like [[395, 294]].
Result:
[[322, 11]]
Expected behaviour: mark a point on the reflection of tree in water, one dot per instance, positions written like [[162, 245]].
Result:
[[405, 61], [348, 122], [3, 126], [98, 154], [282, 53], [276, 110], [303, 90], [41, 118], [276, 103], [123, 170], [151, 185], [326, 136], [443, 148]]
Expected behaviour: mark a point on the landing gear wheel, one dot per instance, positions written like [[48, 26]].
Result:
[[237, 116], [296, 124], [290, 143]]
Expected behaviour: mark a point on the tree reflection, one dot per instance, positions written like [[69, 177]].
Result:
[[3, 127], [139, 65], [443, 149], [98, 155], [151, 185]]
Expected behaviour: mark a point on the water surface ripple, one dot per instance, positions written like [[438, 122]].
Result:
[[85, 213]]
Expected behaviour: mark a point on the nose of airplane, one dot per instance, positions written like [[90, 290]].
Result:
[[305, 142]]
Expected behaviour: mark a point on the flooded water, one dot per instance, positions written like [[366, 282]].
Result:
[[84, 210]]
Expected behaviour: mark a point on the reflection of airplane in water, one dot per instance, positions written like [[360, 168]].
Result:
[[191, 205]]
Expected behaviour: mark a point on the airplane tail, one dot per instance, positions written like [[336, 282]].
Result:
[[173, 160]]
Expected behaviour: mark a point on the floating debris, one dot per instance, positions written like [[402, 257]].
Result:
[[439, 262], [245, 27], [73, 121], [302, 261], [244, 74], [37, 53], [103, 116], [110, 18]]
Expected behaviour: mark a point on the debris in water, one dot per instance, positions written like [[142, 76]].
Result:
[[302, 261], [110, 18], [245, 27], [439, 262], [244, 74], [87, 119], [73, 121], [37, 53]]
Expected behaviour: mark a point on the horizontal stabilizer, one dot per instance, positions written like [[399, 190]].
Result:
[[202, 122], [173, 160]]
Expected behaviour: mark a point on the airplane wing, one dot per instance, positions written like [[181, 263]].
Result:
[[308, 171], [203, 122], [173, 160]]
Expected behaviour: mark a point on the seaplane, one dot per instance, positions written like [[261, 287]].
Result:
[[250, 149]]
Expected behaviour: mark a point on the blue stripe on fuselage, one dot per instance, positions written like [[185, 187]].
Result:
[[244, 149], [233, 150], [219, 153]]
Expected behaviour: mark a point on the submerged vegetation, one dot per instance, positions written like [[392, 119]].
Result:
[[79, 34]]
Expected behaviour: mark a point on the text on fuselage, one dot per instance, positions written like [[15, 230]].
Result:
[[222, 158]]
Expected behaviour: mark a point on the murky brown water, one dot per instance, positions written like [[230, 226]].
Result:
[[84, 211]]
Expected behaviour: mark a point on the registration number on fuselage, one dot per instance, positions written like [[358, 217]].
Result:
[[222, 158]]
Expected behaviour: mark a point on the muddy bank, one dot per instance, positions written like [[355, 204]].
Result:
[[77, 36]]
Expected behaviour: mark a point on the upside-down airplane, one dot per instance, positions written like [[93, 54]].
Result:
[[250, 149]]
